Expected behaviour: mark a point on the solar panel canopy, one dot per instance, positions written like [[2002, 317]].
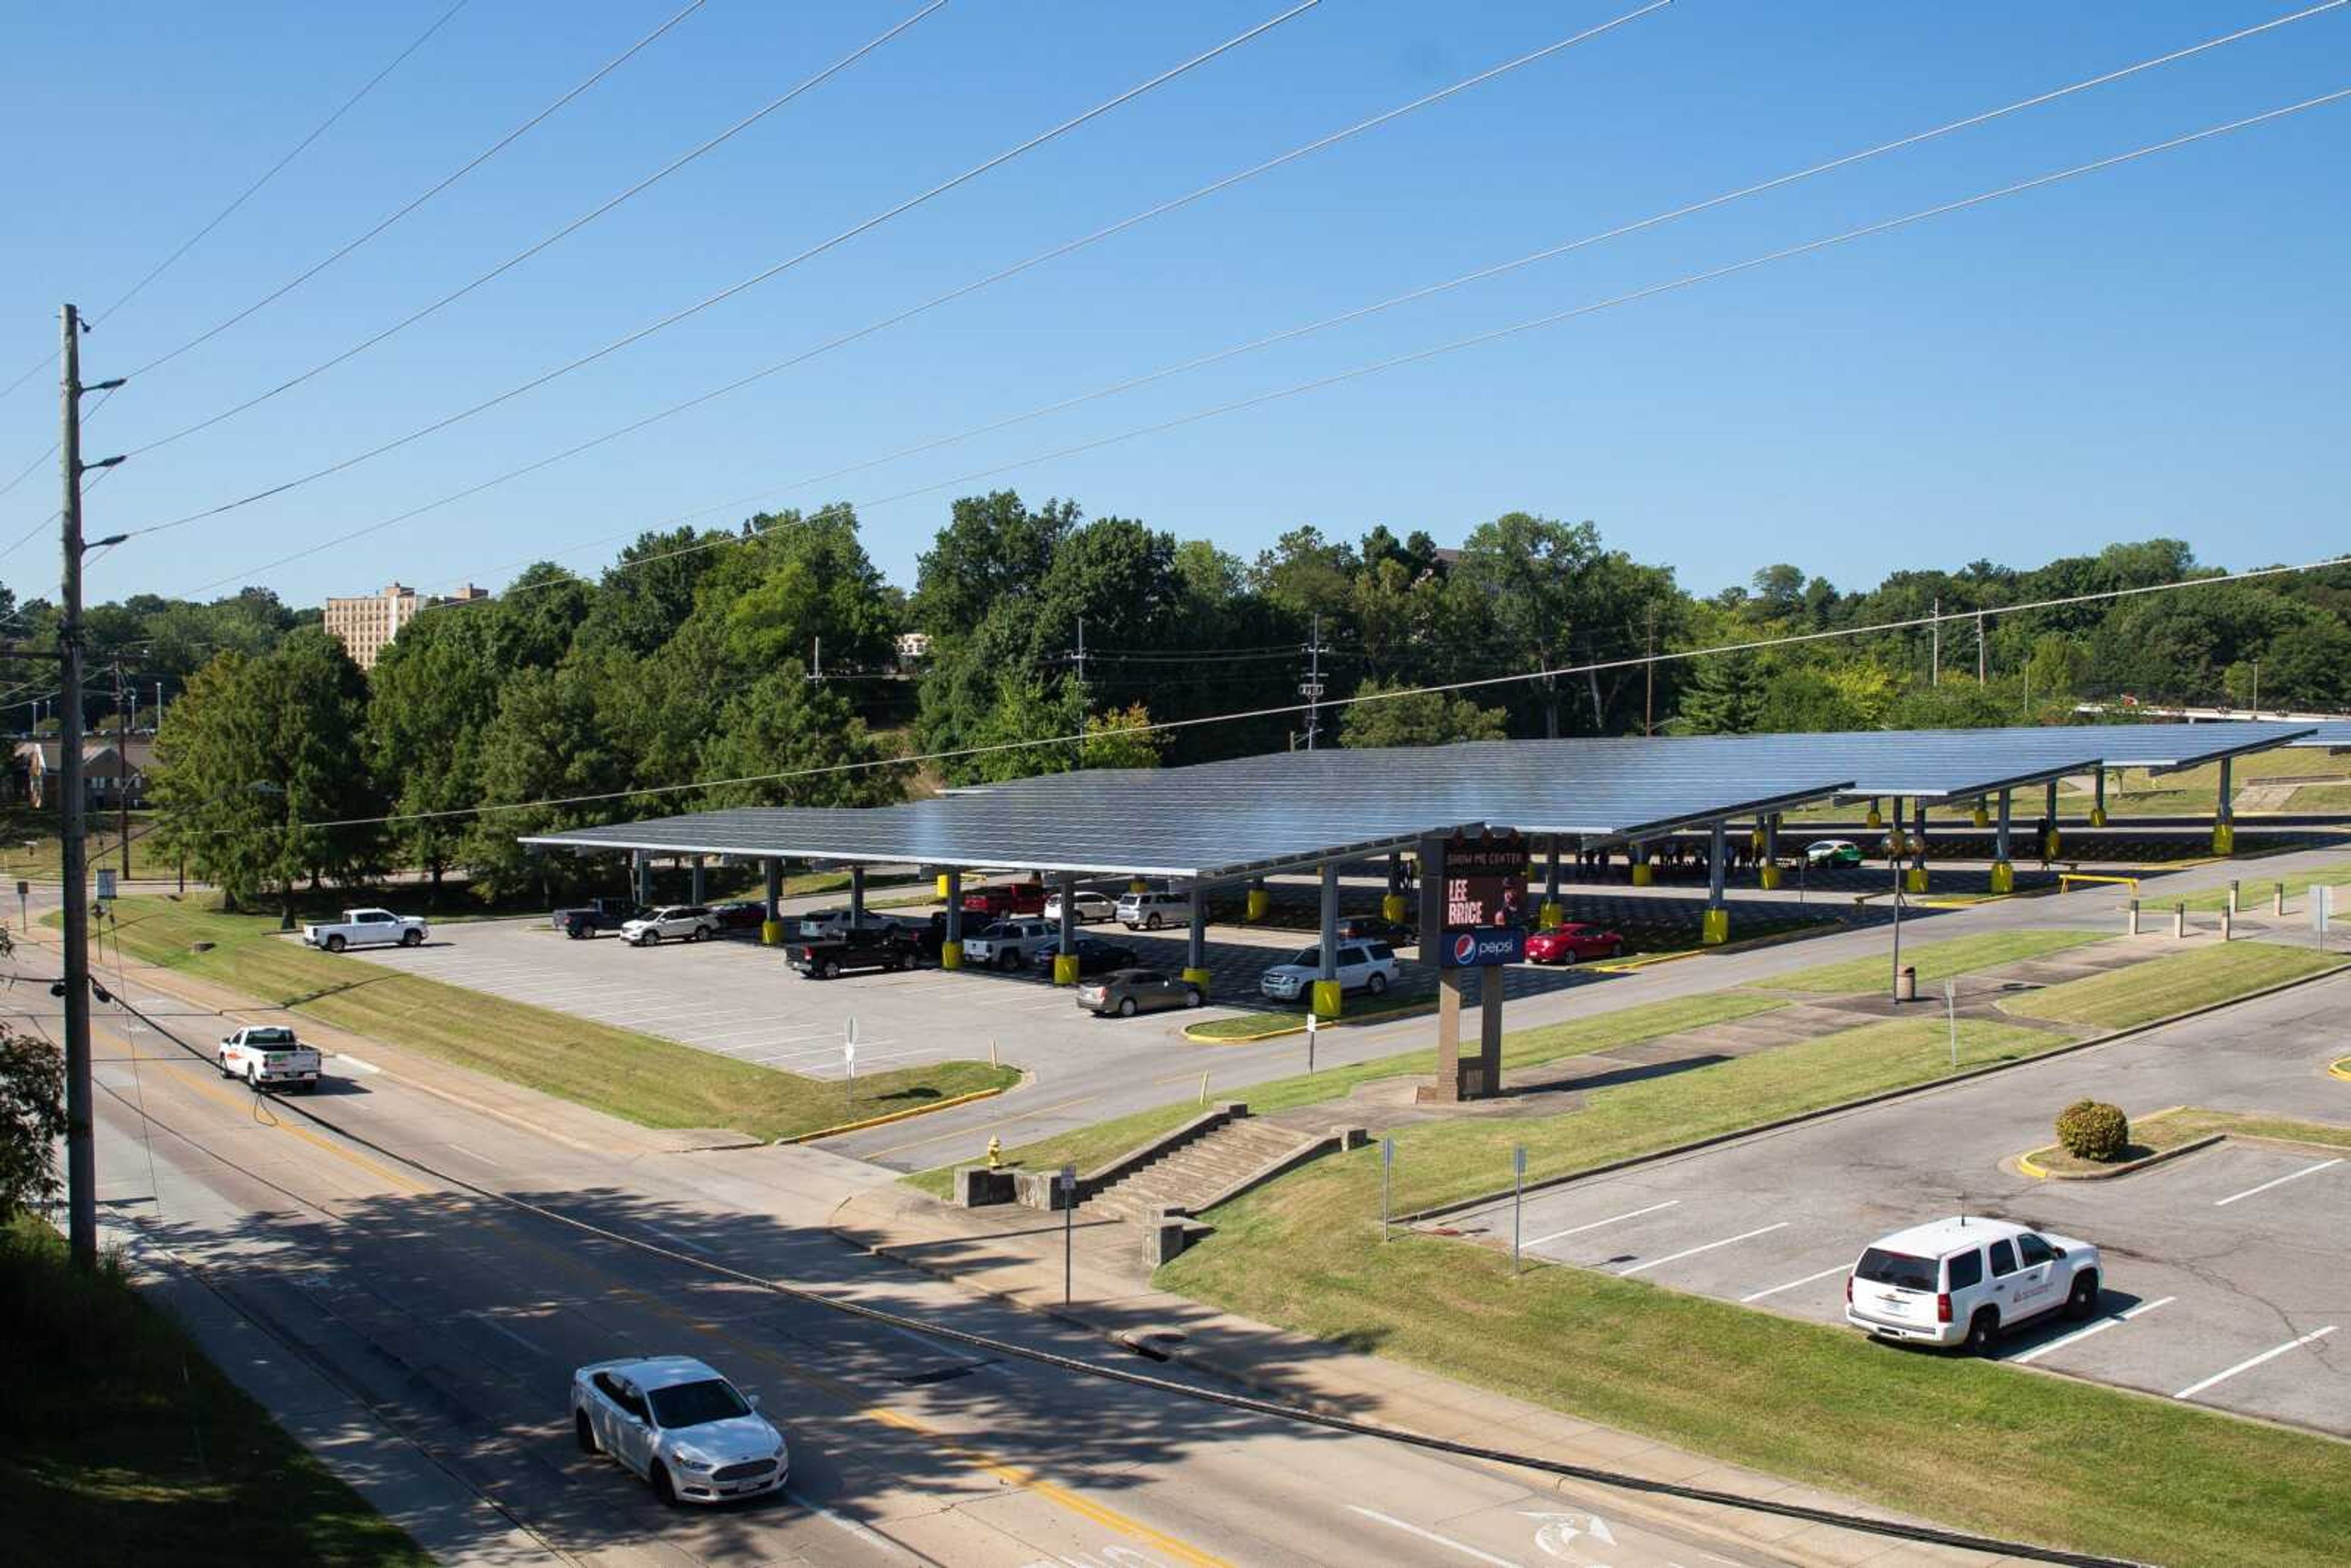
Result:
[[1250, 815]]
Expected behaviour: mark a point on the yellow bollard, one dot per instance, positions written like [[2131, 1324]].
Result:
[[950, 955], [771, 933], [1261, 902], [1644, 873], [1983, 818], [1768, 877], [2003, 877], [1065, 968], [995, 1154], [2224, 838], [1395, 907], [1714, 930], [2097, 816], [1551, 913], [942, 887], [1197, 978], [1326, 998], [1875, 819], [1915, 879], [2052, 845]]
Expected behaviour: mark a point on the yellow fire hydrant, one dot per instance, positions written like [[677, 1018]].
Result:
[[995, 1154]]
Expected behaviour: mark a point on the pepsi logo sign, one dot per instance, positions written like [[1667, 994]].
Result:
[[1465, 948]]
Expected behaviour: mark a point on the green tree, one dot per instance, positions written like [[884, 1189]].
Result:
[[1533, 571], [1122, 738], [431, 694], [1722, 694], [786, 724], [993, 548], [802, 580], [32, 1122], [547, 766], [1422, 718]]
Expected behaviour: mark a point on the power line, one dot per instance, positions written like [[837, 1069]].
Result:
[[250, 191], [546, 242], [1475, 684], [1491, 335], [686, 312], [999, 276], [509, 140], [1358, 313]]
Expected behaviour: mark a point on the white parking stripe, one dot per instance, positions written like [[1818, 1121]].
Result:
[[1694, 1251], [1791, 1284], [1462, 1547], [2296, 1175], [2193, 1389], [2038, 1351], [1580, 1229]]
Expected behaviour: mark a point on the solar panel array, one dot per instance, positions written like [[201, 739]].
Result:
[[1218, 820]]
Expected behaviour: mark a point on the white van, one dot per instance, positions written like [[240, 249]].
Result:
[[1962, 1281], [1150, 911]]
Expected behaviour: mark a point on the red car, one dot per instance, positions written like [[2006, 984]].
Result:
[[1570, 943], [1006, 898]]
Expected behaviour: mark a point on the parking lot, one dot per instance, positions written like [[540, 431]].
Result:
[[2226, 1272]]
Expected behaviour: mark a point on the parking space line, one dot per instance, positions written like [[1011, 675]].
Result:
[[2038, 1351], [1791, 1284], [1430, 1536], [2193, 1389], [2295, 1176], [1694, 1251], [1580, 1229]]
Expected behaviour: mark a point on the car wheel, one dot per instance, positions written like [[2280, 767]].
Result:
[[253, 1078], [665, 1490], [827, 970], [1617, 951], [1152, 923], [335, 944], [2083, 1299], [224, 1073], [1567, 957], [1192, 997], [1983, 1333], [411, 939], [582, 1433], [1377, 985], [1009, 961]]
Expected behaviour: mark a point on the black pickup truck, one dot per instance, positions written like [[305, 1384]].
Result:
[[597, 915], [859, 947]]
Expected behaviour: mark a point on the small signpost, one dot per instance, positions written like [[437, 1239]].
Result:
[[24, 918], [1518, 1199], [1951, 1013], [1387, 1168], [1068, 1228], [848, 1059], [1312, 1025], [2322, 910]]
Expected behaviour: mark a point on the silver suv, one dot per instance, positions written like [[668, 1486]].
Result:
[[1150, 911], [1007, 943]]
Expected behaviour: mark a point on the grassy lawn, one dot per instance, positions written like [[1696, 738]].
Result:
[[1936, 960], [2166, 1130], [119, 1442], [2321, 797], [2255, 892], [1958, 1441], [1091, 1147], [31, 850], [637, 1077], [2162, 986]]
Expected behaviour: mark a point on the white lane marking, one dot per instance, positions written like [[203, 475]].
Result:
[[675, 1241], [1694, 1251], [1791, 1284], [1580, 1229], [2193, 1389], [2297, 1176], [2038, 1351], [842, 1522], [478, 1158], [349, 1063], [503, 1331], [1462, 1547]]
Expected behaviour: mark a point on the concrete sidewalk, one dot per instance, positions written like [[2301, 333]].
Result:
[[1017, 1255]]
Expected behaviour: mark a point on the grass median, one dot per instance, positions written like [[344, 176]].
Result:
[[2253, 894], [2179, 983], [1088, 1147], [119, 1440], [640, 1078], [2163, 1132], [1935, 960]]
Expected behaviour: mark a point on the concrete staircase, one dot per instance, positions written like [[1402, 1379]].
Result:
[[1199, 1172]]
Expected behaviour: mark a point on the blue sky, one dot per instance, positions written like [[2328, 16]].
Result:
[[2158, 349]]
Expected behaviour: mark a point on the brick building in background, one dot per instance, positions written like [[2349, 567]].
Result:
[[365, 625]]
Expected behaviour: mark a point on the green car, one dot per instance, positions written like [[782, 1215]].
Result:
[[1833, 852]]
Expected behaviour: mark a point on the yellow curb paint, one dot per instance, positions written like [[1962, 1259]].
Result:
[[2341, 1070], [2031, 1167], [908, 1115]]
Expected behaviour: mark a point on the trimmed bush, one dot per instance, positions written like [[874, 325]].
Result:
[[2093, 1130]]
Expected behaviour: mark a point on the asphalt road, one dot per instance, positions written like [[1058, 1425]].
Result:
[[442, 1325], [2227, 1271]]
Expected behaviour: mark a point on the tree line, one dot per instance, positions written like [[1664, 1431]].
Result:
[[763, 665]]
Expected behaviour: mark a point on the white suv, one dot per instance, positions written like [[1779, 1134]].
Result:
[[1150, 911], [1961, 1281], [1007, 943], [685, 922], [1369, 967]]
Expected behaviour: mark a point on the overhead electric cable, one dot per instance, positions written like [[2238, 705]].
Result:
[[686, 312], [500, 145], [1291, 334]]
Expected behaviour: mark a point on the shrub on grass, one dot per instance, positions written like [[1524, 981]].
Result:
[[2093, 1130]]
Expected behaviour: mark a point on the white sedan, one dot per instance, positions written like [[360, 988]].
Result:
[[688, 1432]]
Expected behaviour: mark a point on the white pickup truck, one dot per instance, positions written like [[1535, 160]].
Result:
[[268, 1056], [367, 928]]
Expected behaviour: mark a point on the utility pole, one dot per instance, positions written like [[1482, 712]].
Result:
[[816, 661], [1935, 659], [121, 770], [1078, 661], [1979, 648], [1649, 677], [81, 1161], [2257, 688], [1311, 688]]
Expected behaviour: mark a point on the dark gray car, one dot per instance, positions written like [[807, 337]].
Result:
[[1127, 992]]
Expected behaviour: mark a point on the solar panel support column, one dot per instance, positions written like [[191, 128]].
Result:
[[1715, 924], [771, 889], [2098, 798], [951, 945], [1551, 913], [1326, 970], [694, 896], [2003, 870], [1916, 880], [1895, 845], [1874, 820], [2224, 816], [1196, 941], [1767, 871], [2052, 841], [1259, 903], [857, 894], [1065, 952], [1643, 873], [1396, 905], [643, 866]]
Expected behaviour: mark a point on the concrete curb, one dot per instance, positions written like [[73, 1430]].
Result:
[[1633, 1162], [2341, 1070], [1392, 1014], [911, 1112], [2040, 1172]]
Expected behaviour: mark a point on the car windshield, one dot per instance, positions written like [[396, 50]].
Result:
[[697, 1404], [1307, 958], [1899, 1269]]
